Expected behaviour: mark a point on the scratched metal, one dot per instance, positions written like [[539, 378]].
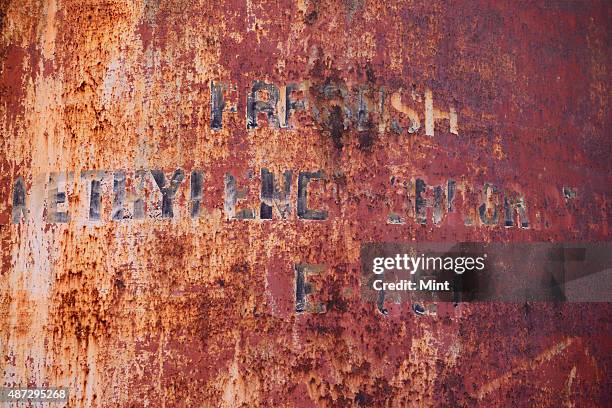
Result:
[[181, 306]]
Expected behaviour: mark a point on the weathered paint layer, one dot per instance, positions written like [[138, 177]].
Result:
[[250, 148]]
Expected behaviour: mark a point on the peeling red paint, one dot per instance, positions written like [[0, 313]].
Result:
[[190, 312]]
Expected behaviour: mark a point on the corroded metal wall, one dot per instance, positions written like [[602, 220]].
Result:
[[505, 101]]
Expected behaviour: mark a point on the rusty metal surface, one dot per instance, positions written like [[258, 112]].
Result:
[[200, 310]]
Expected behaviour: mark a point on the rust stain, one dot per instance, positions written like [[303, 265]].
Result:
[[188, 297]]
